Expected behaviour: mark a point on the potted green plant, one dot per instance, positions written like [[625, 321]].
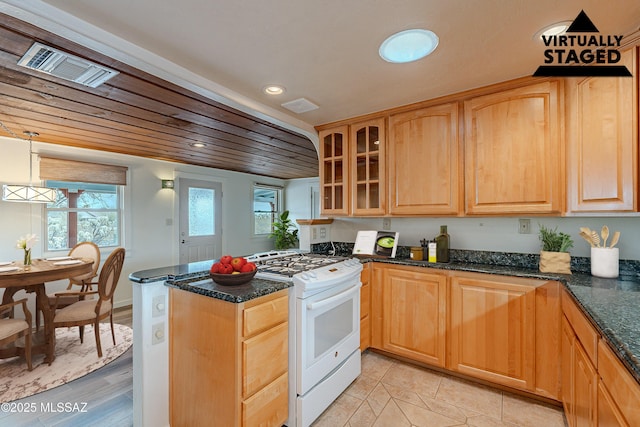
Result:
[[555, 256], [284, 232]]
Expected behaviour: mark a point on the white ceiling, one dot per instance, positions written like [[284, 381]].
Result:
[[327, 51]]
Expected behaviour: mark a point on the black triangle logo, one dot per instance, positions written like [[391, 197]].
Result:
[[582, 24]]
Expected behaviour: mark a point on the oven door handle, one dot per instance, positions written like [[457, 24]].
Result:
[[324, 302]]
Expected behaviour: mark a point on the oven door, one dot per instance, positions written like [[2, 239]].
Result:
[[329, 332]]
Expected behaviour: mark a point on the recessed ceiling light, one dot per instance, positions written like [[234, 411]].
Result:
[[198, 144], [273, 90], [408, 45], [553, 29]]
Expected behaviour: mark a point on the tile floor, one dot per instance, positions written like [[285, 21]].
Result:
[[391, 393]]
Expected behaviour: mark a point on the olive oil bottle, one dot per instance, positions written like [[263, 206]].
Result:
[[442, 245]]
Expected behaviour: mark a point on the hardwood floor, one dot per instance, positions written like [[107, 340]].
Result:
[[107, 392]]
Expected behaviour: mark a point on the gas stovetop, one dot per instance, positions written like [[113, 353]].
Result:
[[285, 264]]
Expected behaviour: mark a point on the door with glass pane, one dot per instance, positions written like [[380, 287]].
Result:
[[200, 220], [367, 167], [334, 171]]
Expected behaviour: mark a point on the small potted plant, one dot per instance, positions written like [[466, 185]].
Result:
[[555, 256], [284, 232]]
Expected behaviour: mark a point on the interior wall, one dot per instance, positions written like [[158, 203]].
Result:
[[494, 234], [151, 222]]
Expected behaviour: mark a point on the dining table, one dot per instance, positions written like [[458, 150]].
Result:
[[14, 276]]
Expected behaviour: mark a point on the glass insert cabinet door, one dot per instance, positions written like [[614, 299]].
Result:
[[334, 171], [367, 161]]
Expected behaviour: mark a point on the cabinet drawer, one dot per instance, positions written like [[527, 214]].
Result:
[[582, 327], [268, 407], [264, 358], [264, 316], [621, 385]]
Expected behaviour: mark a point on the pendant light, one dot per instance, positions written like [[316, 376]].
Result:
[[28, 193]]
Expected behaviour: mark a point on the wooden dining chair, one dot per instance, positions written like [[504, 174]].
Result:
[[11, 329], [79, 283], [92, 311]]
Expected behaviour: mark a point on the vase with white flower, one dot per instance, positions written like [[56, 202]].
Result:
[[26, 244]]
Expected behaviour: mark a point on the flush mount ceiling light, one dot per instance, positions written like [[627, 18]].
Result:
[[273, 90], [28, 193], [198, 144], [408, 45], [553, 29]]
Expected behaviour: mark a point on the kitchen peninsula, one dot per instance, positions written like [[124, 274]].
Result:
[[608, 307]]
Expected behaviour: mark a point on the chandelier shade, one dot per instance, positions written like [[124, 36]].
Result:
[[28, 193]]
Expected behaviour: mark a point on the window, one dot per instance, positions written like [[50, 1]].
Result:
[[266, 207], [83, 212]]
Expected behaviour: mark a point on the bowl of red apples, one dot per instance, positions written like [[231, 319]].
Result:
[[230, 271]]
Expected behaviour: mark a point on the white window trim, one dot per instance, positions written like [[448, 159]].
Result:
[[279, 208]]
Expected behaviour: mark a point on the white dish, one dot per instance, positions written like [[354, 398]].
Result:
[[7, 269], [6, 262], [68, 262], [59, 258]]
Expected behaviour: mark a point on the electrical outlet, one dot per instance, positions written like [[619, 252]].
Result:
[[157, 333], [386, 223], [158, 307], [323, 233], [524, 226]]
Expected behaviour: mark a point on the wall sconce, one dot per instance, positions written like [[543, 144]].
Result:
[[168, 183]]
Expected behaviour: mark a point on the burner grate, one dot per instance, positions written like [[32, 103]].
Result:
[[289, 265]]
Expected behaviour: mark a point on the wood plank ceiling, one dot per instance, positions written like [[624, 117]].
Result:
[[139, 114]]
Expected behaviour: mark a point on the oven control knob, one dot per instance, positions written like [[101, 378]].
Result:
[[304, 276], [313, 274]]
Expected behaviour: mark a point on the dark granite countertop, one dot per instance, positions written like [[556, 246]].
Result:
[[172, 272], [203, 285], [194, 277]]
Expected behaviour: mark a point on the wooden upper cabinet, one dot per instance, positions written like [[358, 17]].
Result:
[[514, 151], [602, 141], [334, 171], [367, 141], [424, 162]]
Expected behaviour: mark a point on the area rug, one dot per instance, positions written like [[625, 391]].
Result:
[[73, 360]]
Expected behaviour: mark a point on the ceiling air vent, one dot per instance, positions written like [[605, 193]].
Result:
[[60, 64], [300, 105]]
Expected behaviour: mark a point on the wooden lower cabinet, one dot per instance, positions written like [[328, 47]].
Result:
[[597, 390], [228, 363], [501, 329], [493, 328], [580, 380], [608, 413], [365, 308], [585, 388], [412, 309]]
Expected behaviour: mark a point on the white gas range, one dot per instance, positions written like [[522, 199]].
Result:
[[324, 327]]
